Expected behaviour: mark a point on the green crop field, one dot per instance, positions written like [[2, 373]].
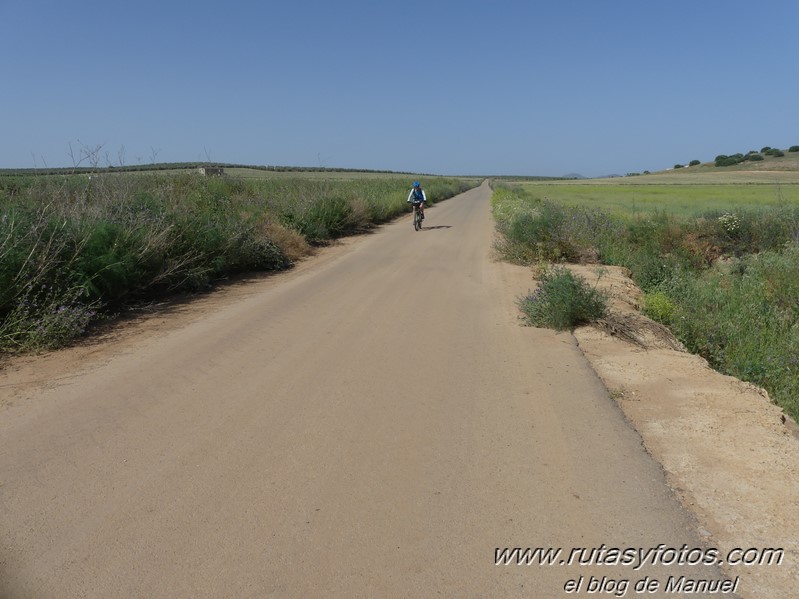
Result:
[[231, 171], [687, 194], [690, 191], [680, 199], [332, 175]]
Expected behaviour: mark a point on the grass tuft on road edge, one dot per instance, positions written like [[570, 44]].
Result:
[[563, 301]]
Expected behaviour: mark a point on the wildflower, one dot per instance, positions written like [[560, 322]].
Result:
[[729, 222]]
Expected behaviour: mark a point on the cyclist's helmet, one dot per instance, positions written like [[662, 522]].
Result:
[[417, 184]]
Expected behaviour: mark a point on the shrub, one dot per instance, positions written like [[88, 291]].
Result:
[[694, 163], [658, 306], [678, 166], [756, 157], [730, 223], [723, 160], [765, 149], [793, 149], [563, 301], [776, 153], [46, 317]]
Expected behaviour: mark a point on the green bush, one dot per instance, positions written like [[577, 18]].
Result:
[[46, 317], [694, 163], [723, 160], [563, 301], [793, 149], [658, 306]]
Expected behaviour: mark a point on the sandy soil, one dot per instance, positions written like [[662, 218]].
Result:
[[731, 454], [23, 377], [373, 424]]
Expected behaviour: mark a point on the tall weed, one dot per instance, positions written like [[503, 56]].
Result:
[[563, 301]]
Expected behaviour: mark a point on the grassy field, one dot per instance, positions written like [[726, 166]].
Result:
[[691, 191], [687, 199], [331, 175]]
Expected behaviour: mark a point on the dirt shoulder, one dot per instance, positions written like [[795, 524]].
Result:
[[730, 454], [22, 376]]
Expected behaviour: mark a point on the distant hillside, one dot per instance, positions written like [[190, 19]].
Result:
[[767, 159]]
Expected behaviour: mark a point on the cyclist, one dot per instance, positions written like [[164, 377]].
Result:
[[418, 197]]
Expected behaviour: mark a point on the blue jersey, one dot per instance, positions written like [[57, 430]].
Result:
[[417, 195]]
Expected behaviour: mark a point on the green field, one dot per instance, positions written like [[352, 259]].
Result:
[[332, 175], [681, 199], [231, 171], [693, 191]]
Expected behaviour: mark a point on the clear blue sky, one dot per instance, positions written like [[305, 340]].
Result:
[[448, 87]]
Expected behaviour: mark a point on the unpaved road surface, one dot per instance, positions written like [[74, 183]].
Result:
[[373, 426]]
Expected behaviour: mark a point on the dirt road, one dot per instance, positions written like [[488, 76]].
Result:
[[372, 426]]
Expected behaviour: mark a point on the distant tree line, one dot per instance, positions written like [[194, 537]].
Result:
[[163, 166], [733, 159]]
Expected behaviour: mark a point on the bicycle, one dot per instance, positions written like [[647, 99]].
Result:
[[417, 217]]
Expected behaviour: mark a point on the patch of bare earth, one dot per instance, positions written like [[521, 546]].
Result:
[[21, 376], [729, 453]]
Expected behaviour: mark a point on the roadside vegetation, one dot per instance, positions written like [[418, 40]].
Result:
[[76, 248], [725, 281], [562, 301]]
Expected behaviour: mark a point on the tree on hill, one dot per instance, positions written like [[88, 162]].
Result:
[[724, 160]]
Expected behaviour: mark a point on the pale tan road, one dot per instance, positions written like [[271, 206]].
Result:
[[372, 427]]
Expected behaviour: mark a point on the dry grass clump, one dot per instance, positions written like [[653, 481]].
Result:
[[290, 243], [638, 330]]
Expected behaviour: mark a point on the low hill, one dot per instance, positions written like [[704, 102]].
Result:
[[759, 161]]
